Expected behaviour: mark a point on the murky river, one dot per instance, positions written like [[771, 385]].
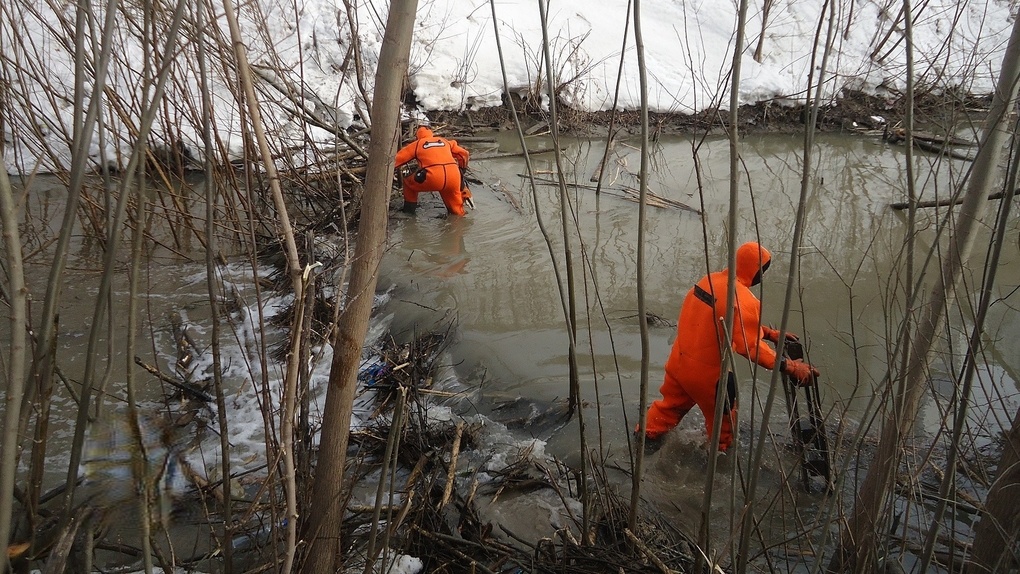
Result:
[[494, 271], [492, 274]]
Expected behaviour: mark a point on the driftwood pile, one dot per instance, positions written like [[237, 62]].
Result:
[[434, 511]]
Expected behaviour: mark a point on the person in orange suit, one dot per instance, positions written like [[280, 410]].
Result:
[[694, 364], [440, 162]]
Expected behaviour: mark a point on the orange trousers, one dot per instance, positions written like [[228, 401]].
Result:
[[442, 178], [679, 397]]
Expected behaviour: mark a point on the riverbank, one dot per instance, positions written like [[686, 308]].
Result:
[[852, 112]]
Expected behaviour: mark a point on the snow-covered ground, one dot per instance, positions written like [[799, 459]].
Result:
[[306, 47]]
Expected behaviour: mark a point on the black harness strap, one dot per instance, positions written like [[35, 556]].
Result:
[[704, 296]]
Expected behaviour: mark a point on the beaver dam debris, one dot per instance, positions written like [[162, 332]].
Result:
[[448, 485], [428, 484]]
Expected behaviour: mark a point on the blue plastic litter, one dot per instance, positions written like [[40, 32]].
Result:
[[372, 372]]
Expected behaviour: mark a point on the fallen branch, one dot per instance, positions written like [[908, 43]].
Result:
[[185, 388], [942, 149], [647, 551], [512, 154], [475, 139], [932, 143], [516, 203], [657, 200], [472, 564], [452, 474], [898, 135], [313, 116], [627, 193], [947, 202]]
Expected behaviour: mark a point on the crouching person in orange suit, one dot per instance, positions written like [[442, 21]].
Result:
[[440, 165], [694, 364]]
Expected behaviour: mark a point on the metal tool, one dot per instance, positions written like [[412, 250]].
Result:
[[808, 430]]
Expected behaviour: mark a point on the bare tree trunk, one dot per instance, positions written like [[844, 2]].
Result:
[[726, 345], [861, 537], [574, 401], [908, 140], [1001, 511], [999, 527], [84, 126], [765, 9], [293, 271], [135, 164], [214, 287], [15, 383], [568, 258], [635, 494], [140, 463], [325, 513], [748, 518]]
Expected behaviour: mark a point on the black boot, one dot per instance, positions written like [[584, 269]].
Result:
[[409, 206], [652, 445]]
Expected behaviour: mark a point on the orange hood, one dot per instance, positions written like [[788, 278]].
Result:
[[751, 259], [423, 133]]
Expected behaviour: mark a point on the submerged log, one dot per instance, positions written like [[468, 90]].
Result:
[[932, 143], [947, 202], [937, 148], [897, 135]]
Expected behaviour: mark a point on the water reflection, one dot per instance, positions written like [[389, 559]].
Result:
[[847, 304], [493, 270]]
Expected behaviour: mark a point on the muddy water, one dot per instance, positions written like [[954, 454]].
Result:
[[494, 274], [492, 271]]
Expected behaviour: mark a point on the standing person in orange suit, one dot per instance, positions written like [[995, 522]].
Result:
[[694, 364], [440, 165]]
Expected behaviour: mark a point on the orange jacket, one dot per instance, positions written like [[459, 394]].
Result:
[[430, 150], [696, 350]]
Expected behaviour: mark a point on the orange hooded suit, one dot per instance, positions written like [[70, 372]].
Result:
[[693, 367], [440, 162]]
